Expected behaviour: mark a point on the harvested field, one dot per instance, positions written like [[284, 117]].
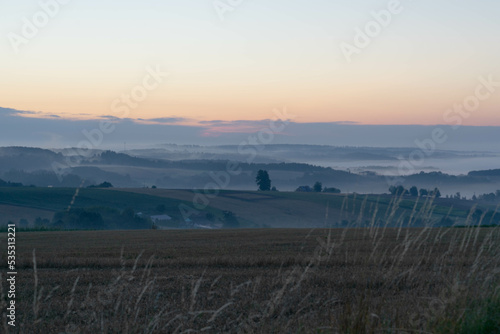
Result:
[[273, 281]]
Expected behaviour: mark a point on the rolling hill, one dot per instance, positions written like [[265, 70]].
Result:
[[251, 208]]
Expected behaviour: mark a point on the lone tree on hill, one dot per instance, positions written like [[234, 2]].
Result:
[[263, 180]]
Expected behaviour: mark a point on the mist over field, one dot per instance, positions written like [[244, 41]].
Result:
[[172, 166]]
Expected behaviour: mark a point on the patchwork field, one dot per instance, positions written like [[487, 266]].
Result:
[[252, 209], [295, 209], [15, 213]]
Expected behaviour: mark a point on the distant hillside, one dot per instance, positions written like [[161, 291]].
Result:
[[27, 158], [33, 166], [490, 172]]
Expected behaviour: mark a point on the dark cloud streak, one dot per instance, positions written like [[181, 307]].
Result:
[[58, 132]]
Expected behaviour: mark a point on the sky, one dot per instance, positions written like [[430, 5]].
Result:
[[241, 61], [59, 132]]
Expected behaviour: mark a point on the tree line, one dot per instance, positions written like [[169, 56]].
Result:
[[414, 191], [264, 184]]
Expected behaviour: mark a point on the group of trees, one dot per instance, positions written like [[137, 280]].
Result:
[[457, 196], [491, 197], [414, 191], [43, 178], [105, 184], [19, 184], [10, 184], [317, 188], [490, 218], [229, 219], [264, 183]]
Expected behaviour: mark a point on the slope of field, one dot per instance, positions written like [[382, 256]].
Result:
[[62, 198], [13, 213], [23, 202], [294, 209], [259, 208], [252, 208]]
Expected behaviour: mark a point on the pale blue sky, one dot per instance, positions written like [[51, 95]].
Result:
[[264, 54]]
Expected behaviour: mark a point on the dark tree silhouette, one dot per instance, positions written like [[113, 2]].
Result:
[[161, 208], [230, 220], [102, 185], [331, 190], [477, 215], [263, 180], [318, 187], [398, 191], [436, 193], [414, 191]]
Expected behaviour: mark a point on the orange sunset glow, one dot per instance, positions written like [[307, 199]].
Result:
[[411, 73]]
